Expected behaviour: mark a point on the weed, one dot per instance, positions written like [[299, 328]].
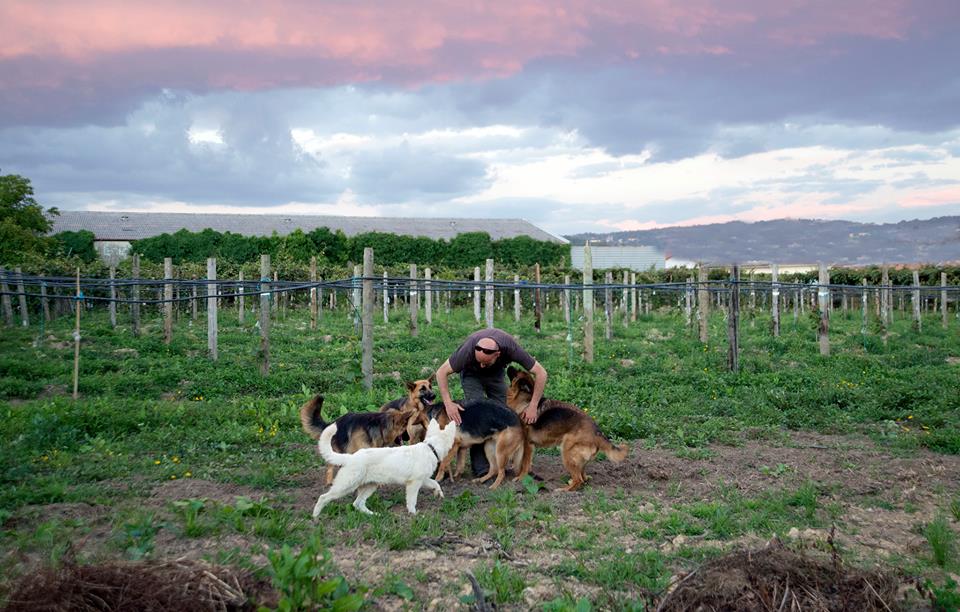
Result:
[[941, 539]]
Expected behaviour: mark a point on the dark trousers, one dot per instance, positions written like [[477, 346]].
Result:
[[479, 386]]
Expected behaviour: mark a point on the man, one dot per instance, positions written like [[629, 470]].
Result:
[[481, 362]]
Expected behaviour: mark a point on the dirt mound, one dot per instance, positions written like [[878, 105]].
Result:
[[174, 585], [777, 578]]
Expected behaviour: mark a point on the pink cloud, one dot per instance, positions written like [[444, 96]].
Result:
[[438, 39], [932, 197]]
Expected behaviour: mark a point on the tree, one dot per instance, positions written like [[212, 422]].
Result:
[[23, 222], [77, 244]]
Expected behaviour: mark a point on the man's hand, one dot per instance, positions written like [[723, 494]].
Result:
[[453, 411], [530, 415]]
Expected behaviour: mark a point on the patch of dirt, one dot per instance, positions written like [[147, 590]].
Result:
[[196, 488], [777, 578], [172, 585]]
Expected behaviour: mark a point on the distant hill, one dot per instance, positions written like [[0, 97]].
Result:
[[799, 241]]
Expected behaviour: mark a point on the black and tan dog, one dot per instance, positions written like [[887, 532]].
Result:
[[486, 422], [356, 430], [560, 424], [420, 397]]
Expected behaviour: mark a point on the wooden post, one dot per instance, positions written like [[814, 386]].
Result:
[[885, 297], [537, 307], [76, 342], [688, 302], [193, 300], [357, 288], [22, 295], [775, 300], [265, 314], [167, 300], [633, 297], [212, 308], [516, 297], [943, 299], [587, 303], [823, 295], [135, 305], [917, 322], [240, 304], [313, 292], [275, 299], [703, 302], [414, 301], [5, 298], [863, 308], [366, 364], [567, 306], [386, 298], [476, 293], [607, 304], [428, 295], [45, 303], [113, 294], [733, 322], [624, 300], [488, 294]]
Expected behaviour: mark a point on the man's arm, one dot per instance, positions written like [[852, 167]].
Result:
[[453, 409], [539, 383]]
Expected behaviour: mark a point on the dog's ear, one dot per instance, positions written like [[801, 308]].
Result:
[[411, 385], [432, 377], [512, 373], [433, 427]]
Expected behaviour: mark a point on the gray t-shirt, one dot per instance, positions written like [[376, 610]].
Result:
[[465, 360]]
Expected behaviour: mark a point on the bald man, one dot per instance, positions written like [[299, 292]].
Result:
[[481, 361]]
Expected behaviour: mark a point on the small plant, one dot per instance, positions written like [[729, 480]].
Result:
[[806, 498], [944, 598], [138, 537], [941, 539], [189, 510], [503, 581], [955, 507], [779, 470], [305, 583]]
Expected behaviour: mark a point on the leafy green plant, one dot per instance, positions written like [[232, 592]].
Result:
[[503, 581], [137, 536], [945, 598], [307, 580], [189, 510]]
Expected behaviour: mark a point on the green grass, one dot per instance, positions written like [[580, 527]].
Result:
[[151, 414]]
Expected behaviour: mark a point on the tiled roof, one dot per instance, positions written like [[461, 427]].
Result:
[[134, 225]]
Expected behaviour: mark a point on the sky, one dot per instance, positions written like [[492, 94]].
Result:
[[578, 115]]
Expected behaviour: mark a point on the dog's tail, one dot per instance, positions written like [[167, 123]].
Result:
[[614, 453], [326, 450], [310, 417]]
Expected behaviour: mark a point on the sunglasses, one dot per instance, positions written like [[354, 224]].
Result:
[[486, 351]]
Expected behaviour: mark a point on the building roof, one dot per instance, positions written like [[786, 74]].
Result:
[[125, 226]]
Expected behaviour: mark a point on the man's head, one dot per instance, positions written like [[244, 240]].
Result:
[[486, 352]]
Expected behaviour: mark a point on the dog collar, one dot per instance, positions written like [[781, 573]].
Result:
[[434, 452]]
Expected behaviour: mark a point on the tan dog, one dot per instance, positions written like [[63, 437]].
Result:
[[356, 430], [419, 398], [561, 424]]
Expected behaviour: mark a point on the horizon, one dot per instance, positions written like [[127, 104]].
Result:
[[596, 117]]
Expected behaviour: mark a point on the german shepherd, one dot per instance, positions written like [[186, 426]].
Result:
[[486, 422], [356, 430], [419, 397], [560, 424]]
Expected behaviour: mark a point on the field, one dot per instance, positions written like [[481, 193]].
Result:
[[170, 456]]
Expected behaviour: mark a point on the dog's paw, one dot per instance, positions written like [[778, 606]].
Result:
[[438, 492]]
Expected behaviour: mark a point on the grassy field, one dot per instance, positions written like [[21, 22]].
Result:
[[167, 454]]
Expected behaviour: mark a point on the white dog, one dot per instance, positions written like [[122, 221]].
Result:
[[366, 469]]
